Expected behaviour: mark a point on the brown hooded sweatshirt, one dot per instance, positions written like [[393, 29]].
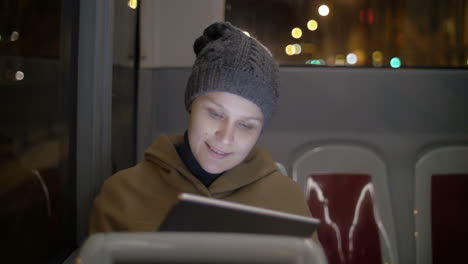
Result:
[[138, 198]]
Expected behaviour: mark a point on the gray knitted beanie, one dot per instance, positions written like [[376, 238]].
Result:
[[230, 61]]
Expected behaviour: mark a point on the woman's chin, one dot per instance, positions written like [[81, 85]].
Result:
[[213, 169]]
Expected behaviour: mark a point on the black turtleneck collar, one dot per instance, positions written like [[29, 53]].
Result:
[[192, 164]]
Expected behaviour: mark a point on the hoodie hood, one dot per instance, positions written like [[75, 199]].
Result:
[[138, 198], [257, 164]]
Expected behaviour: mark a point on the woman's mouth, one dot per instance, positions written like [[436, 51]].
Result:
[[216, 153]]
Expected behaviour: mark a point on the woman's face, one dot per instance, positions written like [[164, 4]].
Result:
[[223, 128]]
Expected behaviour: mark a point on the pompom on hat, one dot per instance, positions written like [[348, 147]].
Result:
[[230, 61]]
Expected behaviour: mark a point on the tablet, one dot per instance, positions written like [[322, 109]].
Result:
[[193, 213]]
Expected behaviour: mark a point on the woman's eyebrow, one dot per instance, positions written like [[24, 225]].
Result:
[[259, 119], [214, 102]]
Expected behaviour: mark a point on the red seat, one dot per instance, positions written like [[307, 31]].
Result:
[[449, 218], [440, 205], [345, 204], [346, 186]]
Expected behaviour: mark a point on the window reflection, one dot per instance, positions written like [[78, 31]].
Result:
[[124, 85], [36, 115]]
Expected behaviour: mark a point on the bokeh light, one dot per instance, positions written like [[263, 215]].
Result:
[[351, 58], [19, 75], [133, 4], [395, 62], [14, 36], [290, 50], [377, 56], [400, 39], [323, 10], [312, 25], [309, 48], [366, 16], [370, 16], [297, 49], [340, 59], [360, 56], [315, 62], [296, 33]]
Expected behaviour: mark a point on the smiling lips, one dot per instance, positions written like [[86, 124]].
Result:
[[215, 153]]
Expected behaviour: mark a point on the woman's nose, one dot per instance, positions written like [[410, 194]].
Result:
[[225, 133]]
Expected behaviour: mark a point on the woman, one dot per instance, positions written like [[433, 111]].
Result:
[[231, 95]]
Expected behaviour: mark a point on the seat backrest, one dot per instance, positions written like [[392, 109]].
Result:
[[346, 188], [441, 203], [281, 168], [181, 247], [345, 204], [449, 206]]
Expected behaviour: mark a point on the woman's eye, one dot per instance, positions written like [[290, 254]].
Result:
[[245, 126], [215, 115]]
